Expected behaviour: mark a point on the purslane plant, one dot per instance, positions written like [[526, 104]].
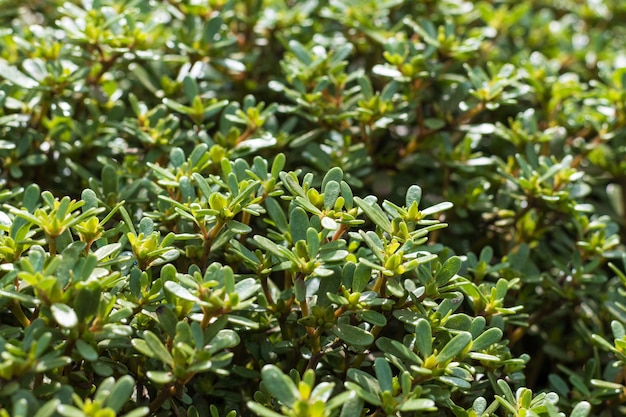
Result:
[[154, 239], [318, 282]]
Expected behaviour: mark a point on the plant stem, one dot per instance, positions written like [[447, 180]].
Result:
[[266, 289], [18, 313], [380, 282], [52, 245], [164, 394]]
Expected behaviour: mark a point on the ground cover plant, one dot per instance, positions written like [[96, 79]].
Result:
[[312, 208]]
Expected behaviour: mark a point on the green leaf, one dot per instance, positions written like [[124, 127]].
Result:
[[110, 180], [225, 339], [120, 393], [454, 347], [418, 404], [375, 214], [361, 277], [600, 383], [488, 338], [479, 405], [373, 317], [298, 224], [423, 337], [64, 315], [280, 385], [86, 350], [238, 227], [300, 52], [177, 107], [505, 390], [455, 382], [15, 76], [450, 267], [363, 394], [167, 319], [366, 87], [279, 251], [49, 409], [334, 174], [352, 407], [49, 363], [278, 165], [331, 192], [437, 208], [603, 343], [582, 409], [383, 374], [86, 303], [277, 214], [179, 291], [352, 335], [397, 349], [247, 288], [307, 205], [365, 381], [290, 180], [157, 348], [23, 298], [69, 411], [413, 195], [160, 377], [262, 411], [214, 108], [346, 193], [138, 412]]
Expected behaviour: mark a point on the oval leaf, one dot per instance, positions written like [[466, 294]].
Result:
[[64, 315], [487, 339], [454, 347], [279, 385], [353, 335]]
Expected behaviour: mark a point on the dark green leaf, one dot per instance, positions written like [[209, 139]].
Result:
[[365, 381], [383, 374], [120, 393], [448, 270], [224, 339], [423, 337], [167, 319], [361, 277], [352, 335], [373, 317], [488, 338], [298, 224], [375, 214], [334, 174], [454, 347], [157, 348], [86, 350], [279, 385]]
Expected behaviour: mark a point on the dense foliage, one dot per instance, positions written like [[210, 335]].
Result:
[[312, 208]]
